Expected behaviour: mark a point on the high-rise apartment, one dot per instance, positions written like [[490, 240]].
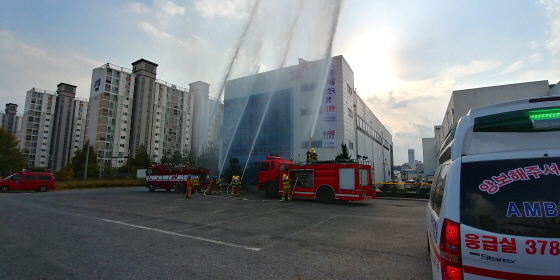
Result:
[[53, 126], [110, 113], [130, 108]]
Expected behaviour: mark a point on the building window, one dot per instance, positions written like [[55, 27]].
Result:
[[351, 145]]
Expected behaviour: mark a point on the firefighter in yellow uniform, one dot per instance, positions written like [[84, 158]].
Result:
[[195, 183], [235, 186], [218, 186], [311, 156], [189, 186], [287, 188]]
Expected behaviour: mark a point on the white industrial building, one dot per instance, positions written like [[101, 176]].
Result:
[[462, 101], [310, 105]]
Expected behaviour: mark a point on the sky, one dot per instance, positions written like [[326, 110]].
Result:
[[407, 56]]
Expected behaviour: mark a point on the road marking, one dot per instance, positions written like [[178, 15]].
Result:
[[305, 229], [178, 234]]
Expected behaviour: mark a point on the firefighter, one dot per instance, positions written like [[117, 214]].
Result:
[[195, 183], [218, 186], [210, 190], [235, 186], [189, 186], [287, 187], [311, 156]]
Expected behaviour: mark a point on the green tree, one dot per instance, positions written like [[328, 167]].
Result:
[[344, 152], [141, 159], [78, 163], [12, 157]]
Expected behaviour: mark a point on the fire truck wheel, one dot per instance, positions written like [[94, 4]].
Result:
[[271, 190], [151, 188], [177, 189], [326, 195], [167, 190]]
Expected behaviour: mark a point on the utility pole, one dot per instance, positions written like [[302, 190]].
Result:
[[87, 159]]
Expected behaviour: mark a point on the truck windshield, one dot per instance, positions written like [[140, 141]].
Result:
[[264, 166], [515, 196]]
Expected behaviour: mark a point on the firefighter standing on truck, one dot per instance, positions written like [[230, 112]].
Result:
[[235, 186], [189, 186], [287, 188], [311, 156]]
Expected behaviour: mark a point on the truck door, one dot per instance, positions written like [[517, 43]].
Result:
[[347, 178]]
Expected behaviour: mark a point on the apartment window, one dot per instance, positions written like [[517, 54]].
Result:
[[123, 137], [351, 145]]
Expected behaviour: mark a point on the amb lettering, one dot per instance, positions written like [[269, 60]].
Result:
[[532, 209]]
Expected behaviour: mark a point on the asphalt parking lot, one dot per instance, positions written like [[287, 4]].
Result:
[[130, 233]]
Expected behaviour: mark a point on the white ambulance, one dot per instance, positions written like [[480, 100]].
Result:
[[494, 204]]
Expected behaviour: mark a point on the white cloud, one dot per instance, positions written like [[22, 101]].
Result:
[[474, 67], [27, 66], [169, 7], [513, 67], [139, 8], [222, 8], [536, 57], [553, 13], [552, 6], [151, 30]]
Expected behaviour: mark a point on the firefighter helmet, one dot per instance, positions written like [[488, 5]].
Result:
[[312, 150], [285, 176], [188, 176]]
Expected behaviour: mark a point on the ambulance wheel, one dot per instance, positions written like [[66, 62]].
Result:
[[4, 189], [271, 191], [151, 188], [326, 195]]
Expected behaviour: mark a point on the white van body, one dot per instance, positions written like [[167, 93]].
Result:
[[494, 209]]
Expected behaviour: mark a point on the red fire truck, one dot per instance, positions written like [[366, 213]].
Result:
[[325, 180], [170, 177]]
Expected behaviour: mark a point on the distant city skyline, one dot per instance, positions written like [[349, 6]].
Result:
[[407, 56]]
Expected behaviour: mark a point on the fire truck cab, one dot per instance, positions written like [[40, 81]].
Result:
[[170, 177], [327, 181]]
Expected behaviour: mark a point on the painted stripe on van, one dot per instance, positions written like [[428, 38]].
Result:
[[505, 275]]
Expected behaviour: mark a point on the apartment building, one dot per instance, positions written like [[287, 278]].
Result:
[[110, 113], [11, 121]]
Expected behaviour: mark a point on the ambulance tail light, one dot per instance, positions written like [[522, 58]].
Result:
[[450, 249]]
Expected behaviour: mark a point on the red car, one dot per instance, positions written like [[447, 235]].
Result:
[[27, 180]]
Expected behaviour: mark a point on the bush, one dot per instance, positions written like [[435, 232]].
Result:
[[385, 187], [90, 184], [394, 189]]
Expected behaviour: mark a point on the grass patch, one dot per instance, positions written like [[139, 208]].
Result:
[[98, 184]]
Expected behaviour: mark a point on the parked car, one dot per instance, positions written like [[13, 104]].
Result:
[[27, 180], [494, 206]]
